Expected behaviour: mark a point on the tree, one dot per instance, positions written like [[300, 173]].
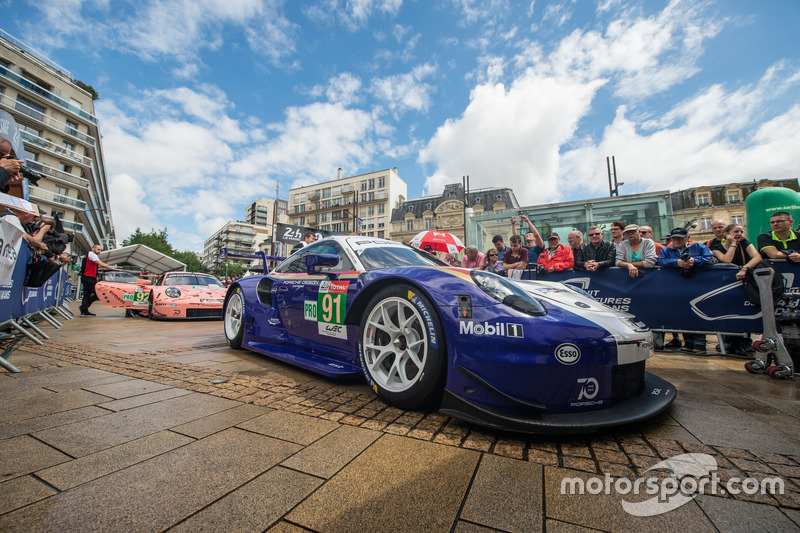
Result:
[[88, 88], [229, 269], [158, 241]]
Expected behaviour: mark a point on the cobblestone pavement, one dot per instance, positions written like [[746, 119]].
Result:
[[748, 424]]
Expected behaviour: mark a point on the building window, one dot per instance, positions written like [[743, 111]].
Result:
[[371, 210], [409, 225], [326, 192], [733, 198], [29, 129], [57, 213], [65, 168], [363, 197], [72, 128], [737, 219], [27, 107], [381, 209], [428, 223], [372, 183], [381, 183], [363, 185], [705, 223], [68, 146], [63, 191], [702, 199]]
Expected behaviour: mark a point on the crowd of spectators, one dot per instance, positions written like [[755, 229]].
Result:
[[632, 247]]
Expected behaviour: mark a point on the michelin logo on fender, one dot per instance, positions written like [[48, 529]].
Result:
[[486, 328]]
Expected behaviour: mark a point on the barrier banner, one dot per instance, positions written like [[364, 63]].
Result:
[[10, 242], [711, 300]]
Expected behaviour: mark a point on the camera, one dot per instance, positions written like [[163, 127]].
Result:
[[685, 257], [32, 176]]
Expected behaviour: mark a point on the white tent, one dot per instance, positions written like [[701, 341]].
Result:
[[143, 257]]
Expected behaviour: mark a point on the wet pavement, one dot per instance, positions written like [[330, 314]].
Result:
[[117, 424]]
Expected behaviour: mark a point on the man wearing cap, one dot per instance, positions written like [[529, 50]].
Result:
[[635, 253], [497, 240], [597, 253], [687, 256], [473, 258], [557, 257], [782, 242]]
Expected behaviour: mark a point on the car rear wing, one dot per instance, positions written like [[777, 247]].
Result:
[[224, 254]]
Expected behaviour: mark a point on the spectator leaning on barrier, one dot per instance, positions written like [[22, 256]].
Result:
[[782, 242], [89, 278], [557, 257], [493, 264], [718, 227], [597, 254], [735, 249], [616, 232], [473, 258], [647, 233], [575, 240], [533, 240], [515, 259], [687, 257], [635, 252], [497, 240]]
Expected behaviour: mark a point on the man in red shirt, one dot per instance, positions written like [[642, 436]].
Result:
[[557, 257], [89, 278]]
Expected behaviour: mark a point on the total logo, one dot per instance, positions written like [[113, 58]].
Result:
[[498, 328]]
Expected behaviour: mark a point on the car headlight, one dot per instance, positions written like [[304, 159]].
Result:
[[172, 292], [579, 291], [507, 293]]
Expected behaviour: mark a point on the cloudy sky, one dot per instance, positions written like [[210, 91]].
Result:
[[206, 105]]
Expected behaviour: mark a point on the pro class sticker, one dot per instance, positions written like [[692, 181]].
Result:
[[568, 354]]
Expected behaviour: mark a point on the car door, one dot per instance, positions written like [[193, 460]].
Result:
[[312, 307]]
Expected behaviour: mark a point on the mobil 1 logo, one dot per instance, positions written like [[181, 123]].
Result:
[[568, 354]]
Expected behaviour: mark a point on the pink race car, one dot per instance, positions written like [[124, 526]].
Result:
[[184, 295]]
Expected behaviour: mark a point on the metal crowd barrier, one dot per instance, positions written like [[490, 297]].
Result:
[[21, 307]]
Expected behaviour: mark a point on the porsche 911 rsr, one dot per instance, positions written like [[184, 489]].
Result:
[[526, 356]]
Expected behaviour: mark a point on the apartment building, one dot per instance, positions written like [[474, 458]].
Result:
[[61, 138], [698, 207], [262, 212], [237, 237], [349, 204]]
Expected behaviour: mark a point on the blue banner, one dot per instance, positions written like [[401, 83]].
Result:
[[17, 300], [712, 300]]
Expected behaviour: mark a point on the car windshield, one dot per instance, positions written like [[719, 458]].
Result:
[[387, 256], [192, 279], [120, 277]]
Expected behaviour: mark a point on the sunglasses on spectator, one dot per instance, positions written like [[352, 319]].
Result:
[[594, 234], [492, 255]]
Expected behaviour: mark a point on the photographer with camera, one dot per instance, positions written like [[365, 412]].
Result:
[[34, 229], [13, 171], [89, 278]]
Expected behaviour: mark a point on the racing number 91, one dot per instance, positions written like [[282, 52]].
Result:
[[331, 305]]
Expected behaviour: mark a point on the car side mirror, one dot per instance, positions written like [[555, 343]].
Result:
[[143, 282], [315, 261]]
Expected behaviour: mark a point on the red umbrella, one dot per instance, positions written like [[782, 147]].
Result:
[[440, 241]]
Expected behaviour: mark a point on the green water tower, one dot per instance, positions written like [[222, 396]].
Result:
[[761, 204]]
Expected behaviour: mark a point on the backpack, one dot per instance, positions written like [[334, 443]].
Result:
[[751, 286]]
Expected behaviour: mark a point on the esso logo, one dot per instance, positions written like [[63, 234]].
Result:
[[568, 354]]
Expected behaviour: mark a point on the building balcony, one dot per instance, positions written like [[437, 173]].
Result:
[[10, 104], [38, 194], [312, 223], [313, 196], [29, 87], [58, 175], [58, 151]]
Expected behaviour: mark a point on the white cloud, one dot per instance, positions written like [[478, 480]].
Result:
[[130, 209], [405, 92], [352, 14]]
